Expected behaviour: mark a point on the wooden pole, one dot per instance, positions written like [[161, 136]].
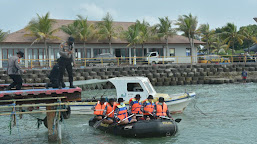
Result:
[[53, 123]]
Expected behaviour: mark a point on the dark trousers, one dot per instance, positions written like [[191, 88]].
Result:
[[65, 63], [17, 81], [54, 84]]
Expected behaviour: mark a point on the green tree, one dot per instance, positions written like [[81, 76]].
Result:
[[164, 30], [85, 30], [145, 33], [71, 29], [206, 35], [188, 25], [218, 44], [42, 29], [132, 36], [107, 30], [3, 35], [250, 34], [231, 36]]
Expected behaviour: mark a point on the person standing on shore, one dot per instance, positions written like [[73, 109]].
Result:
[[244, 75], [14, 71], [67, 54]]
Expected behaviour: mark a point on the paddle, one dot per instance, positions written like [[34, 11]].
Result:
[[176, 120], [97, 124], [126, 118]]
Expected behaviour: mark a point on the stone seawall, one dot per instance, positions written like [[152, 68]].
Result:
[[159, 75]]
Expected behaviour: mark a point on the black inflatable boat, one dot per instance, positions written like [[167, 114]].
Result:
[[144, 128]]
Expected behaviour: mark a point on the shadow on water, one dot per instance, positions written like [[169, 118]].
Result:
[[230, 118]]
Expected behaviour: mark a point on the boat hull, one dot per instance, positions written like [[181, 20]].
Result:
[[176, 104], [141, 129]]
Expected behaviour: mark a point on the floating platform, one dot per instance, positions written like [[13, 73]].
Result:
[[16, 102]]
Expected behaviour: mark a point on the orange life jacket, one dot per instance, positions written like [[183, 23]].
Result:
[[136, 107], [110, 110], [99, 109], [149, 107], [161, 109], [123, 112]]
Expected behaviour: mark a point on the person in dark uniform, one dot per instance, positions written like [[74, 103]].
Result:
[[14, 71], [54, 76], [67, 54]]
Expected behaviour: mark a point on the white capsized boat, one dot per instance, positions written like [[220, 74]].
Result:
[[127, 88]]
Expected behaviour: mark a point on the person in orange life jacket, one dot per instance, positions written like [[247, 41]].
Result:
[[135, 105], [121, 112], [148, 108], [99, 109], [161, 109], [110, 107]]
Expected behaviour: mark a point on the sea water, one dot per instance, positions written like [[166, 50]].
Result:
[[220, 114]]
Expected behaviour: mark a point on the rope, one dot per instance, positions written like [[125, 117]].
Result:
[[198, 109]]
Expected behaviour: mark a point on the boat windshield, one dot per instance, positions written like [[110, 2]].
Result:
[[148, 54], [149, 87]]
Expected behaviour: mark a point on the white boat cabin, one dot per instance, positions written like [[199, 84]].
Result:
[[129, 87]]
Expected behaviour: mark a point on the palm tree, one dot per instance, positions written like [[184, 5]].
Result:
[[188, 25], [206, 35], [85, 30], [71, 29], [164, 30], [42, 29], [250, 36], [218, 44], [107, 30], [232, 35], [3, 35], [132, 36], [144, 33]]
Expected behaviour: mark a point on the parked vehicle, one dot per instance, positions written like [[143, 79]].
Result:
[[102, 59], [154, 58], [213, 59]]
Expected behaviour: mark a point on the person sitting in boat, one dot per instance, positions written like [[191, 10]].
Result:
[[161, 108], [148, 108], [99, 109], [110, 107], [121, 113], [54, 77], [135, 105]]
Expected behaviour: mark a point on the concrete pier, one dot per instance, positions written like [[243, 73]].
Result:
[[159, 75]]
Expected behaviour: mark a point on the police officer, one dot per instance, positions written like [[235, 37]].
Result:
[[14, 71], [67, 54]]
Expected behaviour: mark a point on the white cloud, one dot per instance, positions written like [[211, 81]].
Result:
[[94, 12]]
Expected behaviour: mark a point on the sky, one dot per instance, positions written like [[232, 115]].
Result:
[[16, 14]]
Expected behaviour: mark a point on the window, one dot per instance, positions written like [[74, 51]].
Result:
[[172, 51], [134, 87], [188, 51], [153, 54], [98, 51]]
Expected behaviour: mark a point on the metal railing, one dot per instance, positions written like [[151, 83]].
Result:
[[120, 61]]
